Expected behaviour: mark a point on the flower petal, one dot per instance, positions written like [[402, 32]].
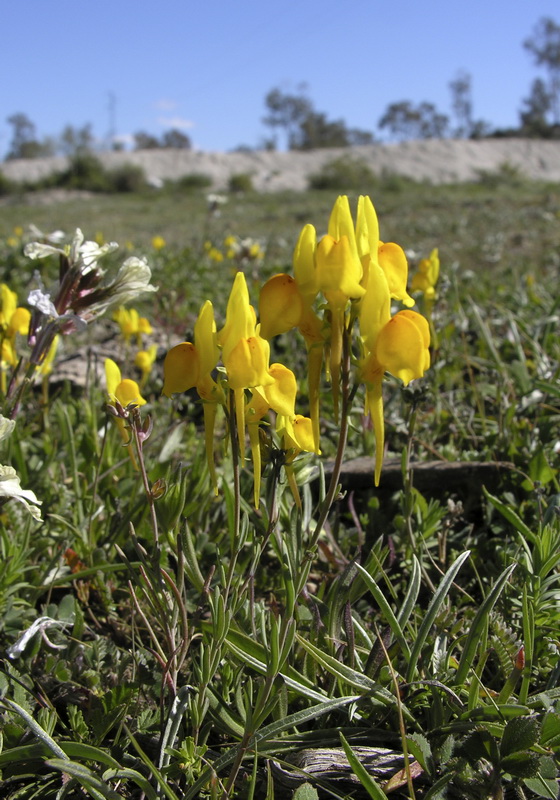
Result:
[[401, 346], [181, 369]]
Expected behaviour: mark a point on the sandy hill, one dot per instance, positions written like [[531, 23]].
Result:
[[437, 161]]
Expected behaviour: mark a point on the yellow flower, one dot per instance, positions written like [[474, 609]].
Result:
[[215, 255], [427, 276], [190, 365], [132, 324], [47, 365], [124, 391], [145, 360], [280, 396], [158, 242], [13, 318], [297, 435], [280, 306], [397, 344]]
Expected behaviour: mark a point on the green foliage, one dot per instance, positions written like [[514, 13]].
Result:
[[420, 617], [240, 182], [86, 172], [344, 174], [193, 181]]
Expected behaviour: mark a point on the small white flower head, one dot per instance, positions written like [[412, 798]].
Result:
[[80, 254]]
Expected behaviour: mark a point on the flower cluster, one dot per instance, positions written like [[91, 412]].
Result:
[[240, 251], [245, 356], [351, 275], [82, 293], [348, 276]]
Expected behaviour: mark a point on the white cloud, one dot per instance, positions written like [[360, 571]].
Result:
[[175, 122], [165, 104]]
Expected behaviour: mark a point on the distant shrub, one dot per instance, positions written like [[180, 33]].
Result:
[[346, 173], [127, 178], [507, 174], [85, 171], [240, 182], [394, 182], [6, 185], [192, 181]]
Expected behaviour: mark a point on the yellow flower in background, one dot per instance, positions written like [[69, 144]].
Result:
[[14, 319], [124, 391], [145, 360], [426, 278], [158, 242], [132, 324], [47, 365], [8, 356], [215, 255]]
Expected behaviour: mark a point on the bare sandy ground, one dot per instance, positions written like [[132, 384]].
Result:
[[436, 161]]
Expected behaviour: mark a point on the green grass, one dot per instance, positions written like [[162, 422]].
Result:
[[178, 639]]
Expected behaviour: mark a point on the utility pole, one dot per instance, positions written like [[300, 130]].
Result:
[[112, 109]]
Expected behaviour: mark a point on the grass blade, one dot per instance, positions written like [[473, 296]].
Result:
[[473, 638], [431, 613]]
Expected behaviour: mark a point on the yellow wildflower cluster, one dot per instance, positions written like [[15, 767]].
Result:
[[357, 275], [349, 275], [241, 251]]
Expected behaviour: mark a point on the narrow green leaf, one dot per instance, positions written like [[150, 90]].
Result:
[[386, 610], [250, 652], [85, 777], [132, 775], [480, 620], [369, 784], [432, 611], [412, 592], [512, 517], [350, 676]]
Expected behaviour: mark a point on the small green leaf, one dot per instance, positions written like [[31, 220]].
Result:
[[545, 784], [306, 792], [519, 734], [420, 748], [550, 730], [522, 764]]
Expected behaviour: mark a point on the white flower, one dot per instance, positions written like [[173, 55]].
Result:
[[80, 253], [42, 301], [10, 487], [6, 427], [132, 279]]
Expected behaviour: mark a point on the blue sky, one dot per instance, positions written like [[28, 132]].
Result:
[[205, 67]]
